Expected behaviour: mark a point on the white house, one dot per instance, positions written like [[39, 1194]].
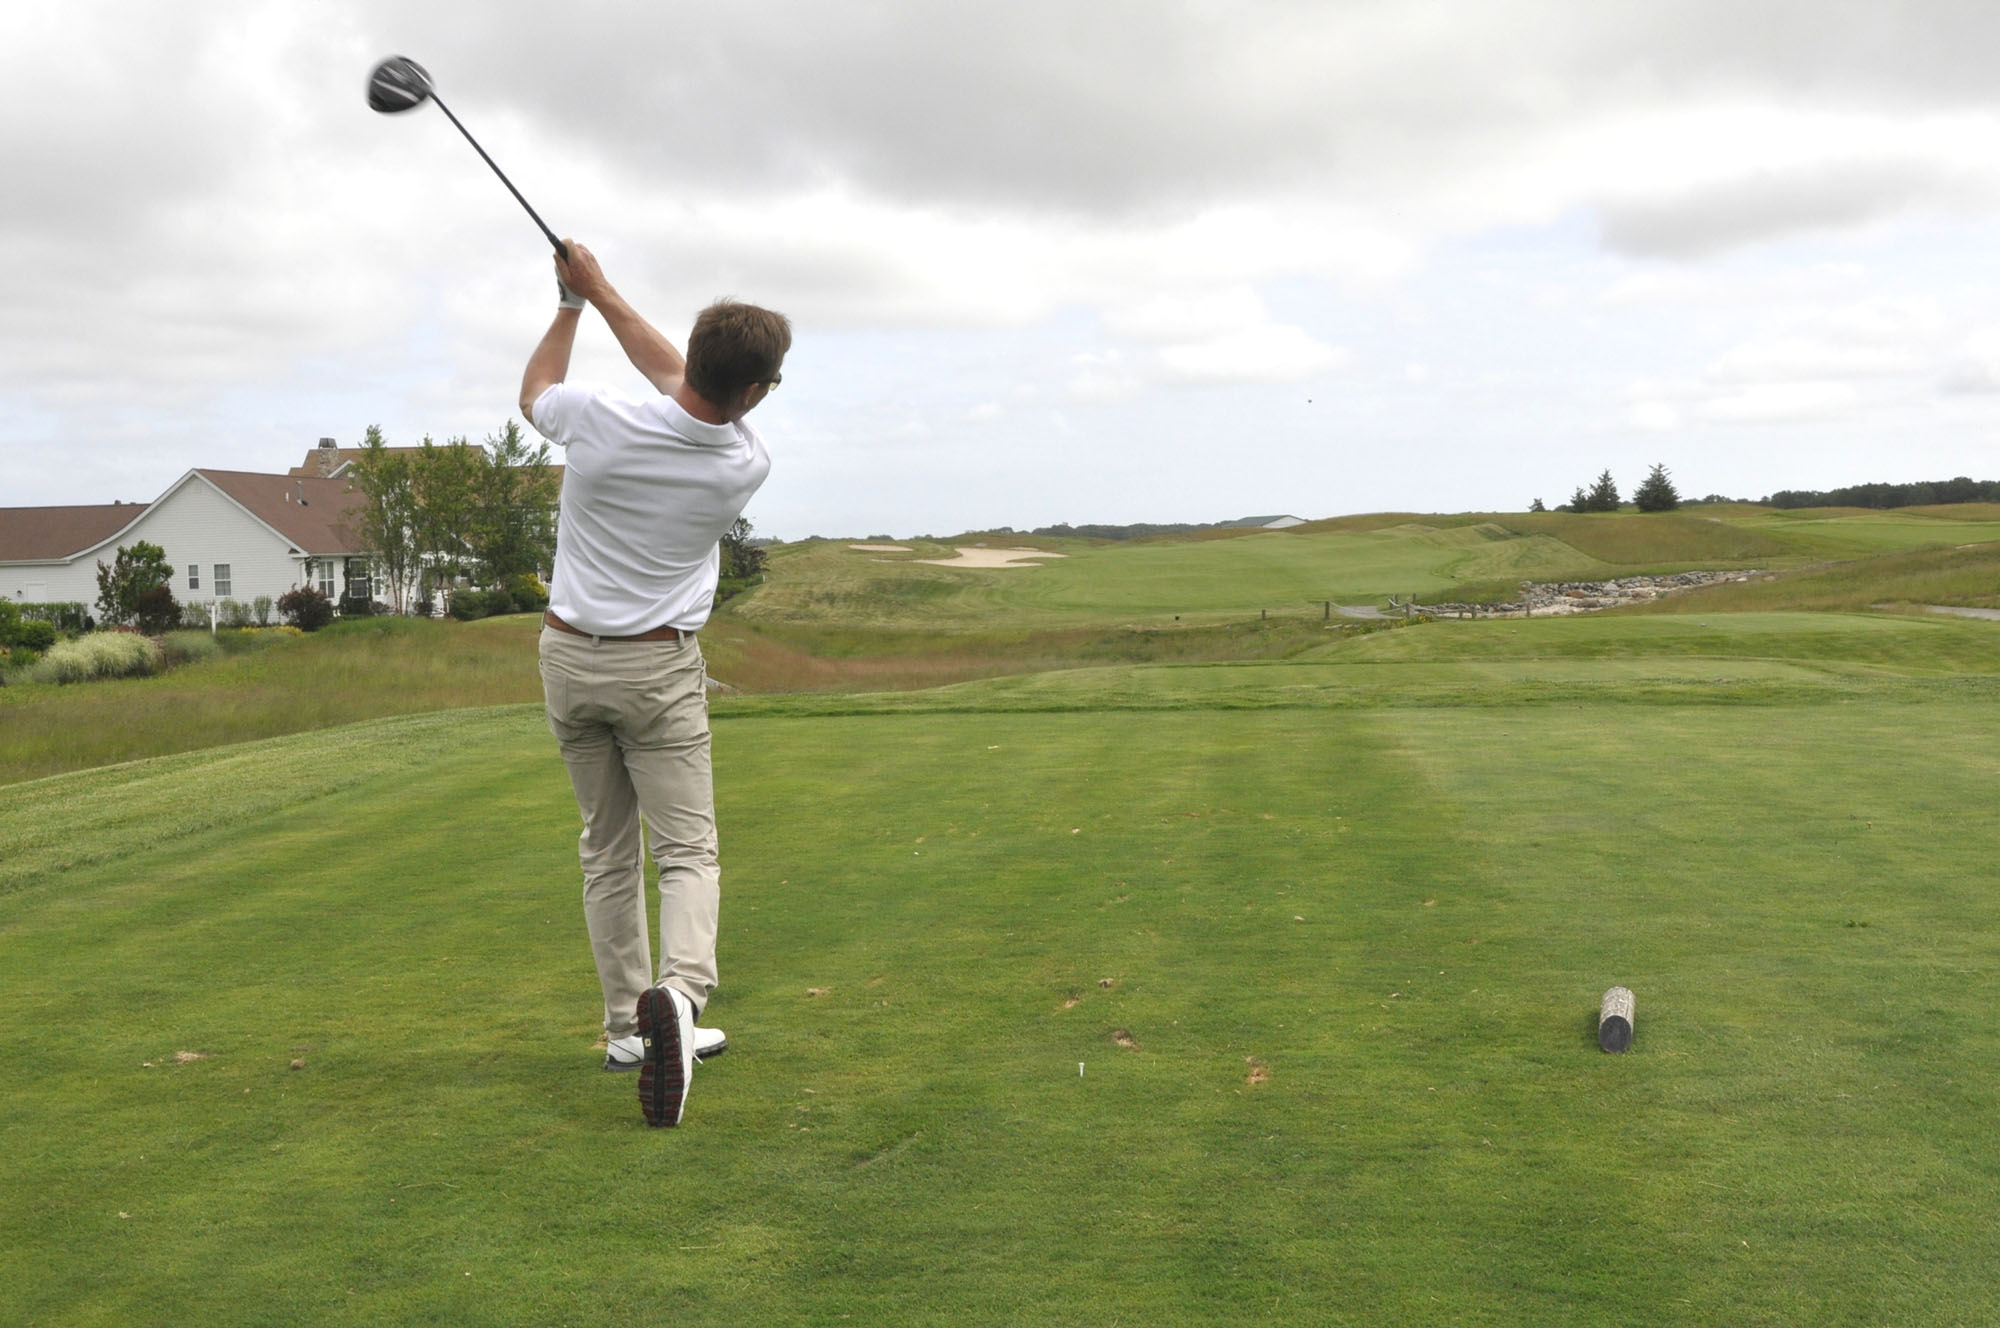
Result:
[[228, 534], [1285, 522]]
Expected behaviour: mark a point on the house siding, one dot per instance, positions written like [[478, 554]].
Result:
[[43, 583], [194, 523]]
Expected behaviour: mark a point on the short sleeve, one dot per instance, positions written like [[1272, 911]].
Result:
[[555, 412]]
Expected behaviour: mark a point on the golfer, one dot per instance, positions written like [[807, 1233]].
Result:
[[649, 487]]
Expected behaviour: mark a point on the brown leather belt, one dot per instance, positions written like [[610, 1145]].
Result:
[[657, 634]]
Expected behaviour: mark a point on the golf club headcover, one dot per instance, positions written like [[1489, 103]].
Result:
[[566, 297]]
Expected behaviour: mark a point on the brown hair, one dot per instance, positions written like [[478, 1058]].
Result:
[[734, 345]]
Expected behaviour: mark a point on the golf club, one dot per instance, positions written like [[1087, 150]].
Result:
[[400, 83]]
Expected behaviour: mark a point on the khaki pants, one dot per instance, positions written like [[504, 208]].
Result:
[[631, 718]]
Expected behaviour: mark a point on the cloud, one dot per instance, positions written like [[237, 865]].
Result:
[[1268, 352], [215, 240], [1974, 369], [1100, 378], [1654, 417], [1220, 335], [1790, 359], [1771, 403], [1726, 214]]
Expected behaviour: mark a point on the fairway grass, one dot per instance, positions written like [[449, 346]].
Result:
[[1233, 574], [1325, 934]]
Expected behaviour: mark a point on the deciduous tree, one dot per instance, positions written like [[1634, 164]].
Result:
[[131, 578], [388, 519], [512, 530]]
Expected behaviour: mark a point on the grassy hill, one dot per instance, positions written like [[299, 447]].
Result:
[[831, 618], [1079, 965], [1224, 574], [1217, 575], [1324, 934]]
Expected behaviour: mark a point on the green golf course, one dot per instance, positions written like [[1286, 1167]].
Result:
[[1095, 950]]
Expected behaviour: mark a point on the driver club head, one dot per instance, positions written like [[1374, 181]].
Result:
[[398, 84]]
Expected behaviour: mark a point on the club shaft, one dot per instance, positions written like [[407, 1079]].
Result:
[[560, 247]]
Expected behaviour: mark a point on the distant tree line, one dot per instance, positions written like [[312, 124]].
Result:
[[1133, 531], [1657, 494], [1928, 493], [1137, 530]]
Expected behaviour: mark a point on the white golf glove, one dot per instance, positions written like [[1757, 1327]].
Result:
[[567, 298]]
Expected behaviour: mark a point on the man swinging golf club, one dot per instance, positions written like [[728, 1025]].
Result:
[[650, 485]]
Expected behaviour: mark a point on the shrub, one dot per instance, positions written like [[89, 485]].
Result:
[[466, 605], [305, 608], [528, 592], [356, 606], [178, 648], [499, 602], [67, 615], [262, 607], [17, 633], [156, 610], [34, 635], [233, 613], [99, 655]]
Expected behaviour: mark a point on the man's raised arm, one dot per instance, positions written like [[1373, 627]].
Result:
[[549, 364], [651, 353]]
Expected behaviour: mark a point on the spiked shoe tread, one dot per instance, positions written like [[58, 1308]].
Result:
[[663, 1079]]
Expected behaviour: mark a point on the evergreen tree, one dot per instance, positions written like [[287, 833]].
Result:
[[1657, 493], [1578, 501], [1603, 495], [1536, 506]]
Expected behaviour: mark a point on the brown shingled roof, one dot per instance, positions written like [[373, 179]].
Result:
[[323, 461], [44, 534], [326, 523]]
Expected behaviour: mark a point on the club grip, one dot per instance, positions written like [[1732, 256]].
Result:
[[562, 250]]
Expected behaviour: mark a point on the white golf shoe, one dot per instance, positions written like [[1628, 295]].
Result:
[[629, 1053], [666, 1022]]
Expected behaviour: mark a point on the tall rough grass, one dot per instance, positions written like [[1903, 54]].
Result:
[[271, 683], [187, 647], [99, 655], [1964, 576]]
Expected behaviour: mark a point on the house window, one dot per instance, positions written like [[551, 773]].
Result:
[[222, 579], [325, 573], [194, 576], [358, 586]]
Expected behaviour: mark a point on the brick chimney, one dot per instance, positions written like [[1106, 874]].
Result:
[[327, 457]]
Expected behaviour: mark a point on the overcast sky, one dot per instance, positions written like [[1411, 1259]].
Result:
[[1046, 262]]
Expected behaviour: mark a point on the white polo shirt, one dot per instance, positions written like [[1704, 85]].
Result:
[[648, 492]]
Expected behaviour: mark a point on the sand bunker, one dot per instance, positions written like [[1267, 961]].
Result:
[[990, 558], [880, 548]]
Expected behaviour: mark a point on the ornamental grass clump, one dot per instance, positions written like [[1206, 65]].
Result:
[[188, 647], [99, 655]]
